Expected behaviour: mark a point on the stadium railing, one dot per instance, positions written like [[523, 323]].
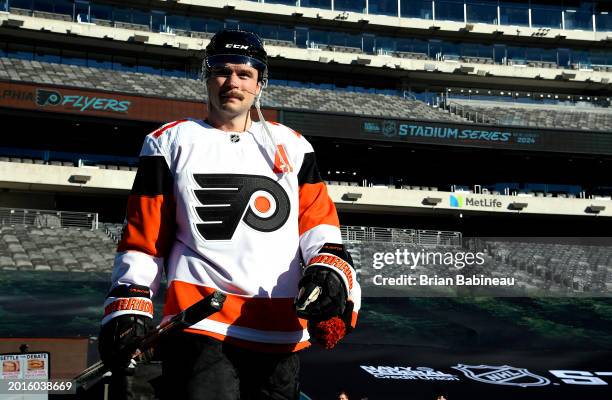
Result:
[[404, 236], [467, 113], [48, 218]]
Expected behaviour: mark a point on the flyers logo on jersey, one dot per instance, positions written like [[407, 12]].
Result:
[[227, 199]]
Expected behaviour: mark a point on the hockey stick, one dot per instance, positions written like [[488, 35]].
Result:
[[193, 314]]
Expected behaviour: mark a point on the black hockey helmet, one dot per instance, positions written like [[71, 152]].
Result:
[[236, 47]]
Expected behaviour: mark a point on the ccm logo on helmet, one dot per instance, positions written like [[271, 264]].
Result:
[[236, 46], [227, 199]]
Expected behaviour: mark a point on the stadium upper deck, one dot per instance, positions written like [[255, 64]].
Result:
[[430, 46]]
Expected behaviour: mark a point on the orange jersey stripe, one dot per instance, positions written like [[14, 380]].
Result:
[[354, 319], [160, 131], [316, 208], [150, 225], [296, 133], [255, 346], [276, 314]]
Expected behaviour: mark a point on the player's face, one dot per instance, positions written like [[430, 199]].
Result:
[[232, 89]]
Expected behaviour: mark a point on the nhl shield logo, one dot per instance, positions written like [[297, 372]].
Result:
[[389, 128], [502, 375]]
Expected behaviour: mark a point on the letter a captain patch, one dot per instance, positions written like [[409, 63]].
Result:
[[281, 161]]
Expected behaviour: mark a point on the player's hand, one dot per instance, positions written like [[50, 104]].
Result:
[[117, 342], [322, 295]]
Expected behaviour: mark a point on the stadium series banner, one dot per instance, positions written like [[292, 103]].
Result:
[[453, 134]]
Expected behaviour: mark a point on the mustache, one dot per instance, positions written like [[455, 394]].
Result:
[[232, 93]]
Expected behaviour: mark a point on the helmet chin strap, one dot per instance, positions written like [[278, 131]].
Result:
[[283, 165]]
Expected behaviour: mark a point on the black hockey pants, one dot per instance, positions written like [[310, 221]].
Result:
[[197, 367]]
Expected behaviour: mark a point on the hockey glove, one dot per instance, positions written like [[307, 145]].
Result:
[[117, 342], [322, 294], [323, 302]]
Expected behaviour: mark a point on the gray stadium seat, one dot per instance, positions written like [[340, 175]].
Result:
[[545, 116], [324, 100], [61, 249]]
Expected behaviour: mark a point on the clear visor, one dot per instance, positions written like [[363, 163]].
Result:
[[219, 61]]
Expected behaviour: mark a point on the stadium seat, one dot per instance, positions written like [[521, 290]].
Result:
[[324, 100], [59, 249], [49, 15], [540, 115]]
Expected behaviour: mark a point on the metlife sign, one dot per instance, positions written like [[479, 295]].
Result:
[[460, 201]]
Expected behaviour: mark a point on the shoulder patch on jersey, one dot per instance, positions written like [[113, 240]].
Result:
[[299, 135], [157, 133]]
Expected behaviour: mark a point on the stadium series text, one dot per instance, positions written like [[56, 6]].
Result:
[[453, 133]]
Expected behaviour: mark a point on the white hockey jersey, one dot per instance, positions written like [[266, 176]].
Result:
[[218, 211]]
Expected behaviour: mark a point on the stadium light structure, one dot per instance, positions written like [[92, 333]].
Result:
[[593, 209], [348, 196], [12, 23], [465, 69], [140, 38], [516, 206], [431, 201], [80, 179]]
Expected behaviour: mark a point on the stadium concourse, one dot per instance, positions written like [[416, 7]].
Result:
[[441, 127]]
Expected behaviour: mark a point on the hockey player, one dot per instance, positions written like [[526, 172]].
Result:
[[238, 206]]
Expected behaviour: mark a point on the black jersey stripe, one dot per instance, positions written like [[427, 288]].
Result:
[[153, 177], [309, 172]]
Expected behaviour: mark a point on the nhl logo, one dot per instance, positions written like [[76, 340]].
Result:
[[389, 128], [234, 138], [502, 375]]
